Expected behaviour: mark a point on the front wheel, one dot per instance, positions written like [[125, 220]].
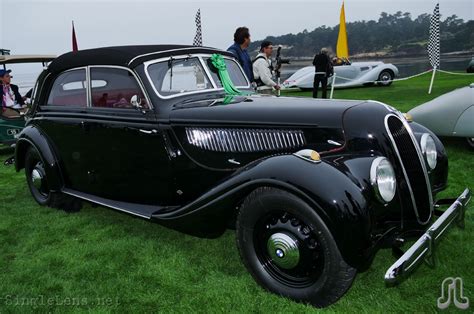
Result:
[[385, 78], [289, 250]]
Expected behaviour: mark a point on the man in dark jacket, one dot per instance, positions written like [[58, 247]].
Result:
[[10, 96], [239, 49], [324, 70]]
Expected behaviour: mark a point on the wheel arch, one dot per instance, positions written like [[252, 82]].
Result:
[[388, 70], [33, 137]]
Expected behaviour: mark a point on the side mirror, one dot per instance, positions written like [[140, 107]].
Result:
[[136, 102]]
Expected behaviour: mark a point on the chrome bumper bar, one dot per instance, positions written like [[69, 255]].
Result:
[[424, 247]]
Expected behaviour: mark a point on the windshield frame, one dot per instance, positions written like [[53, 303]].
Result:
[[207, 72]]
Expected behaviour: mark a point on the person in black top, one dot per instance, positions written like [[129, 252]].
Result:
[[324, 70]]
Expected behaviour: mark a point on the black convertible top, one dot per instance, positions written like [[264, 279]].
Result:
[[128, 56]]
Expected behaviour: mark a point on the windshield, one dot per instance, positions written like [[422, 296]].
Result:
[[177, 76]]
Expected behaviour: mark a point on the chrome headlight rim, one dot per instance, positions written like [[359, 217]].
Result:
[[381, 194], [429, 151]]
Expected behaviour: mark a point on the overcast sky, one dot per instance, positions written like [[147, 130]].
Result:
[[44, 26]]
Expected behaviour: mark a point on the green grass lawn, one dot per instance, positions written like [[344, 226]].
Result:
[[102, 260]]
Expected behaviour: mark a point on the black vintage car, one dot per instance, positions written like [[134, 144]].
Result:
[[313, 187]]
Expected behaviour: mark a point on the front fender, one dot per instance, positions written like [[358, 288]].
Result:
[[31, 136], [336, 197]]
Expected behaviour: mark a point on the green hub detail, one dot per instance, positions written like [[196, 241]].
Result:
[[283, 249]]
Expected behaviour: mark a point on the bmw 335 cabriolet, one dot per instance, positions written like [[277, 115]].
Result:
[[173, 134]]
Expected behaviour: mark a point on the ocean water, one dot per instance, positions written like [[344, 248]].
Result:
[[25, 75]]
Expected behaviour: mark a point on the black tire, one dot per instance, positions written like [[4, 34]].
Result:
[[320, 276], [470, 142], [385, 78], [38, 185]]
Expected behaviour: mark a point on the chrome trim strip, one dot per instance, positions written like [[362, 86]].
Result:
[[103, 204], [89, 87], [424, 247], [171, 50]]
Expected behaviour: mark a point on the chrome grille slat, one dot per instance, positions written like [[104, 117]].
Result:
[[413, 166], [244, 140]]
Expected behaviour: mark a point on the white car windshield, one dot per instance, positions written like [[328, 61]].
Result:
[[178, 76]]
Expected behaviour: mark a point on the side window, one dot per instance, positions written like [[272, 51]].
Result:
[[114, 88], [69, 89]]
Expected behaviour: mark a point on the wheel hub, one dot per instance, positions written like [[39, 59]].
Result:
[[37, 178], [284, 250]]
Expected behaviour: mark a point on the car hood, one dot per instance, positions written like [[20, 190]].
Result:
[[319, 120], [263, 111]]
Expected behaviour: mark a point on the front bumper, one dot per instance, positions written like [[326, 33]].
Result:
[[424, 247]]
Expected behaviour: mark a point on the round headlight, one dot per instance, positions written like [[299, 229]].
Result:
[[382, 178], [428, 149]]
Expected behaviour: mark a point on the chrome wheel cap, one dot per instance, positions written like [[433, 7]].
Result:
[[37, 179], [284, 251]]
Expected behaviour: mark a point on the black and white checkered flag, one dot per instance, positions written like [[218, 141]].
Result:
[[434, 40], [198, 38]]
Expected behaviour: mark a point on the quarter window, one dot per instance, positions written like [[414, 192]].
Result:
[[114, 88], [179, 76], [233, 69], [69, 89]]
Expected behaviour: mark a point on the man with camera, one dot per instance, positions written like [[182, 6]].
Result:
[[263, 69]]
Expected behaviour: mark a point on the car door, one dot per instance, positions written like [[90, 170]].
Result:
[[60, 116], [346, 73], [128, 160]]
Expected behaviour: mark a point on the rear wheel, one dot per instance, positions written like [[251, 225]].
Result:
[[289, 250], [385, 78], [470, 142], [37, 180]]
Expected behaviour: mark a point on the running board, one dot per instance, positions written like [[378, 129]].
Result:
[[144, 211]]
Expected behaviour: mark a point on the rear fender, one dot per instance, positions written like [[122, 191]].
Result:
[[31, 136]]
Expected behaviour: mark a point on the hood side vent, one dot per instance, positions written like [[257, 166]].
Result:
[[244, 140]]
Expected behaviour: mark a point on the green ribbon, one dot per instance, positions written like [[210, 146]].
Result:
[[219, 63]]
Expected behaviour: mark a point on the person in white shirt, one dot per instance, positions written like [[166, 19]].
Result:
[[263, 69]]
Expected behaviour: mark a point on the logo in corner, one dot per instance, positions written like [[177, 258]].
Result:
[[452, 291]]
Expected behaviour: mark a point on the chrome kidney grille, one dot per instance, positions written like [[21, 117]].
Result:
[[413, 167], [245, 140]]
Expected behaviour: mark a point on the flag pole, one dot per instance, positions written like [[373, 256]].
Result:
[[332, 85], [432, 80]]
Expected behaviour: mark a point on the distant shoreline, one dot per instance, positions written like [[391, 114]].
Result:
[[384, 55]]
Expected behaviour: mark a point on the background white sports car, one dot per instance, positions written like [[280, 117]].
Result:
[[355, 74]]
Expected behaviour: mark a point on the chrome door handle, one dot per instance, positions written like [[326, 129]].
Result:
[[152, 131]]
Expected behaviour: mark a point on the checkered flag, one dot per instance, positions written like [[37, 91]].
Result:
[[433, 42], [198, 38]]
